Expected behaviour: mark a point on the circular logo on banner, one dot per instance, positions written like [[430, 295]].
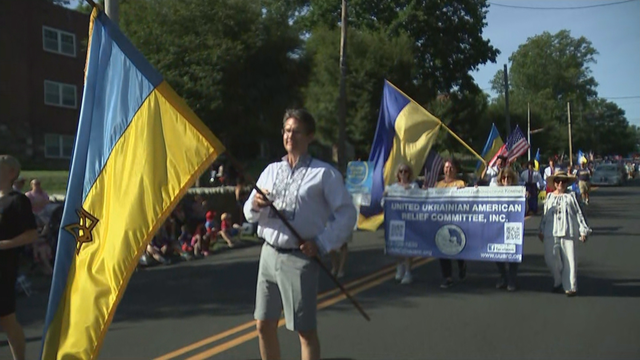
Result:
[[450, 239]]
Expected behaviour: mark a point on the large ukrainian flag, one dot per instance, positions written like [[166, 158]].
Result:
[[405, 133], [138, 149]]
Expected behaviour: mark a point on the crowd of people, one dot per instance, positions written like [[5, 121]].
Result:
[[312, 197], [191, 232], [562, 223]]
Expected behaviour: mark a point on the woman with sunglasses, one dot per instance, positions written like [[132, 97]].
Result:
[[507, 177], [404, 175], [562, 225]]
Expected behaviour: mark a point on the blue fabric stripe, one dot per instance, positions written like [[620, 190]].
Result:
[[66, 242], [121, 90], [125, 45], [493, 135], [393, 102]]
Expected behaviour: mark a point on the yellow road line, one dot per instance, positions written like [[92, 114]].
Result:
[[253, 334], [251, 323]]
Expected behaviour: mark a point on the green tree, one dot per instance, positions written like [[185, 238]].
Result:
[[608, 131], [546, 72], [372, 57], [233, 61], [446, 36]]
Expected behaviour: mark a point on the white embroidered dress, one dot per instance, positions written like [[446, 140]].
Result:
[[563, 217], [562, 224]]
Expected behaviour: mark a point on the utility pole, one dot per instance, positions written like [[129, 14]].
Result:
[[112, 10], [570, 141], [529, 131], [342, 111], [506, 99]]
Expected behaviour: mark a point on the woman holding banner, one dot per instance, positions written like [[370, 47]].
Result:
[[508, 177], [404, 174], [451, 180], [562, 225]]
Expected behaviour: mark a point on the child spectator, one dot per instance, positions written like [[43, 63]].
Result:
[[42, 249], [200, 241], [229, 230], [185, 239]]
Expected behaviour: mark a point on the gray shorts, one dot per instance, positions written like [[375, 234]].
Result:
[[289, 281]]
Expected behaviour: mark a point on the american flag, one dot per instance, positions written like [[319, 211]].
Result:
[[432, 168], [516, 145]]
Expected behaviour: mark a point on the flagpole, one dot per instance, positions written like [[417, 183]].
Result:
[[570, 140], [529, 131], [112, 10], [463, 143], [443, 125]]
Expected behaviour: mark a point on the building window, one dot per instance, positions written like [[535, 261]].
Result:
[[58, 146], [58, 41], [58, 94]]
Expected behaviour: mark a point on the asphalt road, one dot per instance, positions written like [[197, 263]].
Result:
[[203, 309]]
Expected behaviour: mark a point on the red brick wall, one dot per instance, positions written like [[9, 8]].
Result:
[[25, 65]]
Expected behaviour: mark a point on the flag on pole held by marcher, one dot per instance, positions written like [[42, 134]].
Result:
[[516, 145], [405, 134], [137, 150], [491, 148], [536, 161], [432, 168]]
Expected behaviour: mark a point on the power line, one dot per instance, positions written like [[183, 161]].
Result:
[[620, 97], [561, 8]]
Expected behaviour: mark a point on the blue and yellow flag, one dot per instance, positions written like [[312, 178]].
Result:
[[405, 133], [536, 161], [138, 149], [491, 148]]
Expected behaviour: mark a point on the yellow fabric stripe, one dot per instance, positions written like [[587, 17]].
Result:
[[416, 131], [149, 170], [371, 223]]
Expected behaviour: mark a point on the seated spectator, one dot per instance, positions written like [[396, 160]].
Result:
[[39, 198], [185, 239], [42, 253], [162, 246], [200, 241], [228, 230]]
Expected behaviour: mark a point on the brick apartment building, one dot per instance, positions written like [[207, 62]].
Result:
[[42, 58]]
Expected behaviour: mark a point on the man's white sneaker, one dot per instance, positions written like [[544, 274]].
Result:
[[399, 272], [407, 278]]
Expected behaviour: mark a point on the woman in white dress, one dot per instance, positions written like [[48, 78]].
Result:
[[404, 174], [562, 224]]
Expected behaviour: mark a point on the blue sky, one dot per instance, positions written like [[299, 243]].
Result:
[[614, 31]]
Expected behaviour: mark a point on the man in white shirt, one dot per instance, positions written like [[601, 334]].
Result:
[[492, 171], [312, 196], [533, 183], [550, 170]]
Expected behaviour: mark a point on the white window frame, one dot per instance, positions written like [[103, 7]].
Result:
[[60, 154], [60, 33], [60, 86]]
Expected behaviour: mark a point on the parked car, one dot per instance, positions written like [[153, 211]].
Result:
[[609, 174]]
